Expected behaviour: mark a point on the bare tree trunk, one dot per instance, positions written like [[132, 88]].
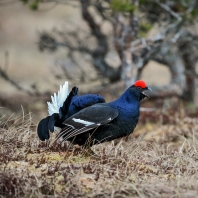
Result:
[[127, 69], [172, 60], [101, 51], [189, 62], [124, 34]]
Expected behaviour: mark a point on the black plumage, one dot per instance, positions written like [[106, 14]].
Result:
[[105, 122]]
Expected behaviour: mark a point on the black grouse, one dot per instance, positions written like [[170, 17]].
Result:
[[106, 121]]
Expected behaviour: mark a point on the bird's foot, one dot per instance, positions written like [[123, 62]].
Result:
[[87, 152]]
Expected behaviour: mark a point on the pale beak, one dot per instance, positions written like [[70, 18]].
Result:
[[147, 90]]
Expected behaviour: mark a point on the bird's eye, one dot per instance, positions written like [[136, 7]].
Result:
[[139, 88]]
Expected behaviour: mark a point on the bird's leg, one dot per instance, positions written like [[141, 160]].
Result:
[[87, 146], [70, 146], [87, 151]]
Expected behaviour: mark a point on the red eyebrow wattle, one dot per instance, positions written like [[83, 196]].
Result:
[[140, 83]]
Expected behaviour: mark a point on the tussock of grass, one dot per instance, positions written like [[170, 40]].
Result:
[[156, 161]]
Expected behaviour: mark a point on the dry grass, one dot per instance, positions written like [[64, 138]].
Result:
[[157, 161]]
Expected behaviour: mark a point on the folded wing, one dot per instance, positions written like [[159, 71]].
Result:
[[89, 118]]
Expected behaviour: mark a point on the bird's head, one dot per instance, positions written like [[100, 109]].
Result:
[[139, 89]]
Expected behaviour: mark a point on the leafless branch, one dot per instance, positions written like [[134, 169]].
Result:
[[4, 75], [169, 10]]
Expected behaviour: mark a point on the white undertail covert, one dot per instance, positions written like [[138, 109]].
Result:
[[58, 99]]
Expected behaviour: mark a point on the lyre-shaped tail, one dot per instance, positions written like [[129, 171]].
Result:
[[58, 99]]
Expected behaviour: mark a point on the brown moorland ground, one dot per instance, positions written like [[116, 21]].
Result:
[[158, 160]]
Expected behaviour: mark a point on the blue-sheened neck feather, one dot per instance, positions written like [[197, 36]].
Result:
[[127, 104]]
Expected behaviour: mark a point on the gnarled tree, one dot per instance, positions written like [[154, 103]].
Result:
[[175, 43]]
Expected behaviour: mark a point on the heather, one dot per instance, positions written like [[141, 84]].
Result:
[[159, 159]]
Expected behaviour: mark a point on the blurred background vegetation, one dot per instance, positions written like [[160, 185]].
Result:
[[102, 46]]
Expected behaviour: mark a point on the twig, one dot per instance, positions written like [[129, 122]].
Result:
[[168, 9], [5, 77]]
